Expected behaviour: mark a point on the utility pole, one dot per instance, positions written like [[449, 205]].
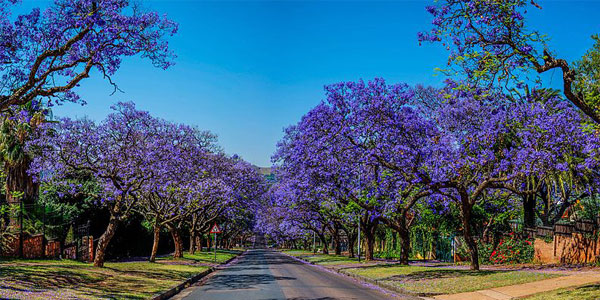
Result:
[[44, 232], [358, 239], [314, 242], [21, 228]]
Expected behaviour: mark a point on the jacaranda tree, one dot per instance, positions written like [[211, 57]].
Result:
[[495, 143], [385, 148], [490, 42], [46, 54], [122, 152], [178, 190]]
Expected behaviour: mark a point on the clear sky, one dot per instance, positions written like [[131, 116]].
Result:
[[245, 70]]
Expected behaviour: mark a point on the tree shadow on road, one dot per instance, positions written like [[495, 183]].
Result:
[[320, 298], [236, 282]]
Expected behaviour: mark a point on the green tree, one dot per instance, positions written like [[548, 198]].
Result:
[[18, 124]]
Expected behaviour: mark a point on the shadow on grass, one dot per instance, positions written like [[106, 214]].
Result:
[[117, 280], [204, 256], [50, 277], [590, 291], [119, 290], [157, 274], [439, 274]]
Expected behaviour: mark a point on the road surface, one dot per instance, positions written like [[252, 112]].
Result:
[[262, 274]]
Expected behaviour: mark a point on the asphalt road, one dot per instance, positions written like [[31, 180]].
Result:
[[262, 274]]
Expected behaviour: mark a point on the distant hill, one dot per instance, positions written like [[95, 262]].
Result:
[[264, 170], [267, 172]]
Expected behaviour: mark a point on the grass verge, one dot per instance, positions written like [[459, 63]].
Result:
[[586, 292], [65, 279], [424, 280], [207, 257], [429, 281]]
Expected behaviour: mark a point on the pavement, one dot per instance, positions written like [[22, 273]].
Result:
[[263, 274], [526, 289]]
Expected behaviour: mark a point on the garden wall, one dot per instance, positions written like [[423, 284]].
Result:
[[33, 247], [574, 248]]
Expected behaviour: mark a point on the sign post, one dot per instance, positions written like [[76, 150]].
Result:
[[215, 229]]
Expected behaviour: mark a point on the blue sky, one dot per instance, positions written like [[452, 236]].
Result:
[[245, 70]]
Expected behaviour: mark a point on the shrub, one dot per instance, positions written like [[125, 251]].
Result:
[[510, 250], [6, 234]]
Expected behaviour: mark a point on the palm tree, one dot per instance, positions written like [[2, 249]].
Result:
[[17, 126]]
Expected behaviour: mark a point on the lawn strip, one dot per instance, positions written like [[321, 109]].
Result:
[[429, 281], [58, 279], [585, 292]]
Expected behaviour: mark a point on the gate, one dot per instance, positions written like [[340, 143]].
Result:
[[443, 248]]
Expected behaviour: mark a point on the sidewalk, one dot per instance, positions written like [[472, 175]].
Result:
[[526, 289]]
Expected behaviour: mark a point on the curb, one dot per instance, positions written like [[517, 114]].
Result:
[[403, 293], [180, 287]]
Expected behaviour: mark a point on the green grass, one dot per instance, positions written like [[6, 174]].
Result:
[[208, 257], [586, 292], [428, 281], [385, 272], [425, 281], [57, 279]]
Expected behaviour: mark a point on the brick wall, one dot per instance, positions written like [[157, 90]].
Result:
[[70, 252], [33, 247], [53, 249]]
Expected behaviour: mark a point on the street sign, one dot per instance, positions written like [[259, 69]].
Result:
[[215, 229]]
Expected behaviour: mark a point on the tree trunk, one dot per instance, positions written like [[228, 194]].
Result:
[[338, 244], [404, 234], [529, 210], [192, 241], [471, 244], [351, 243], [155, 243], [18, 181], [178, 241], [545, 216], [104, 240], [370, 241], [324, 242], [369, 228]]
